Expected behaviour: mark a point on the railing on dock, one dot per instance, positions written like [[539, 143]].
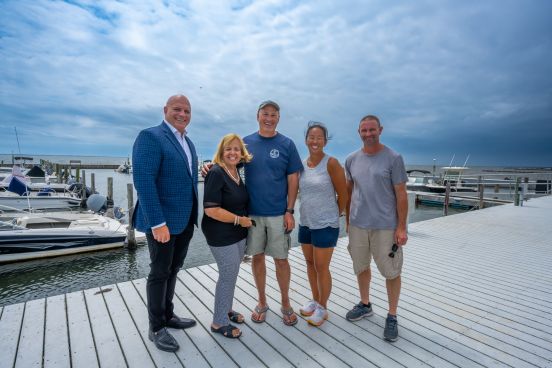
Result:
[[516, 189]]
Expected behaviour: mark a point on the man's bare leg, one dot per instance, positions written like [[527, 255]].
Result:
[[283, 275], [364, 279], [258, 267], [393, 293]]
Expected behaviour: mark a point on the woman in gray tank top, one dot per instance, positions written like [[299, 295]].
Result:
[[323, 196]]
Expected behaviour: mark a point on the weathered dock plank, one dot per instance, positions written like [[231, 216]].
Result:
[[29, 349], [105, 338], [139, 315], [199, 338], [10, 329], [83, 350], [302, 333], [132, 344], [410, 344], [56, 340], [203, 288], [272, 335]]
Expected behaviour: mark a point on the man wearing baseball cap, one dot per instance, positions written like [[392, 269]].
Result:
[[272, 183]]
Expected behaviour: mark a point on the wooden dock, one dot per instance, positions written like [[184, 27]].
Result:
[[477, 292]]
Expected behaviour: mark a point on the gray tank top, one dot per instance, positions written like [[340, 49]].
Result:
[[318, 207]]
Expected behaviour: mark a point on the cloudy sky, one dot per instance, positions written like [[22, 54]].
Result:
[[445, 77]]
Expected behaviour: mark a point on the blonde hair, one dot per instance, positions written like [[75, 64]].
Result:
[[224, 142]]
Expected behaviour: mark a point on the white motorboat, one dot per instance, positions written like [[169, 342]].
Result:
[[5, 172], [36, 201], [125, 168], [452, 175], [29, 236], [37, 181]]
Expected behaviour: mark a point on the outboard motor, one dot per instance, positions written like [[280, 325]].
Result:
[[97, 203], [77, 188]]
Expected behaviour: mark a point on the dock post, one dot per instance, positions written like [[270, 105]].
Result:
[[131, 239], [411, 206], [524, 189], [58, 173], [481, 189], [77, 174], [447, 199], [92, 183], [83, 196], [109, 192], [516, 191]]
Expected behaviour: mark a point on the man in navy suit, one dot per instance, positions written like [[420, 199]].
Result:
[[165, 176]]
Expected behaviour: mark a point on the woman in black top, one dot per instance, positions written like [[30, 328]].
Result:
[[225, 226]]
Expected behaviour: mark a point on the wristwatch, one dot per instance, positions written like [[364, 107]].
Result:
[[290, 210]]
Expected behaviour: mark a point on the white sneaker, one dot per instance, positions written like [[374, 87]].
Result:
[[319, 316], [308, 309]]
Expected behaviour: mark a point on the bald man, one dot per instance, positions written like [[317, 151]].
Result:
[[164, 163]]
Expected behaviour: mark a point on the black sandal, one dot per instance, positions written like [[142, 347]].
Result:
[[226, 331], [236, 317]]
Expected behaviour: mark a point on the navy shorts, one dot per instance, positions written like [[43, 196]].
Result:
[[320, 238]]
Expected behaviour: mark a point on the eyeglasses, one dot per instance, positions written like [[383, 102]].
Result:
[[394, 250]]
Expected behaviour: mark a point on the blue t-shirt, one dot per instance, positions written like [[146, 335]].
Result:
[[274, 159]]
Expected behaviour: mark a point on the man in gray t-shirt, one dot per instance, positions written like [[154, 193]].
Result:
[[376, 219]]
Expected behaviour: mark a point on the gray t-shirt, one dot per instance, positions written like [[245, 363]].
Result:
[[373, 202]]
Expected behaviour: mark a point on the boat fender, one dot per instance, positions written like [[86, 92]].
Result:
[[96, 203]]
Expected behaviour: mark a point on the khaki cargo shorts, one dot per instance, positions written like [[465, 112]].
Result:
[[268, 237], [365, 244]]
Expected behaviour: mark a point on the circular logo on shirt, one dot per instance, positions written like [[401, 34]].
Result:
[[274, 153]]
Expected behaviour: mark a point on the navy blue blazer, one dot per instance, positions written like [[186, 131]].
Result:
[[166, 188]]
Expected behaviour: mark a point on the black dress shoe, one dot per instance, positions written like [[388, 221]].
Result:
[[178, 322], [163, 340]]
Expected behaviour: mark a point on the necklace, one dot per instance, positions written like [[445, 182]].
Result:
[[236, 178]]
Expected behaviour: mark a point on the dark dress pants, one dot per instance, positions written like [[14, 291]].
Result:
[[166, 261]]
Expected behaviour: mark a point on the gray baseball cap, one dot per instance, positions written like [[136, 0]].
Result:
[[268, 103]]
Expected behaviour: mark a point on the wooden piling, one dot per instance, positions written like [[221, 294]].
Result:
[[131, 239], [110, 192], [77, 174], [481, 189], [516, 191], [83, 193], [447, 199], [524, 190], [58, 173], [92, 183]]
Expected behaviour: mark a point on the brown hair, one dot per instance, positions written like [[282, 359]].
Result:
[[370, 117]]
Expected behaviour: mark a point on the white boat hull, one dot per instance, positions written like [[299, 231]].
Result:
[[38, 203]]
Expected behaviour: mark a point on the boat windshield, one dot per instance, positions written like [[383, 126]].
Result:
[[7, 226]]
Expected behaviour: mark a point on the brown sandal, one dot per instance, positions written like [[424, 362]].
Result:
[[261, 313], [287, 313]]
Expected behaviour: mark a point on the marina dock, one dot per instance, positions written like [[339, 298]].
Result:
[[477, 292]]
